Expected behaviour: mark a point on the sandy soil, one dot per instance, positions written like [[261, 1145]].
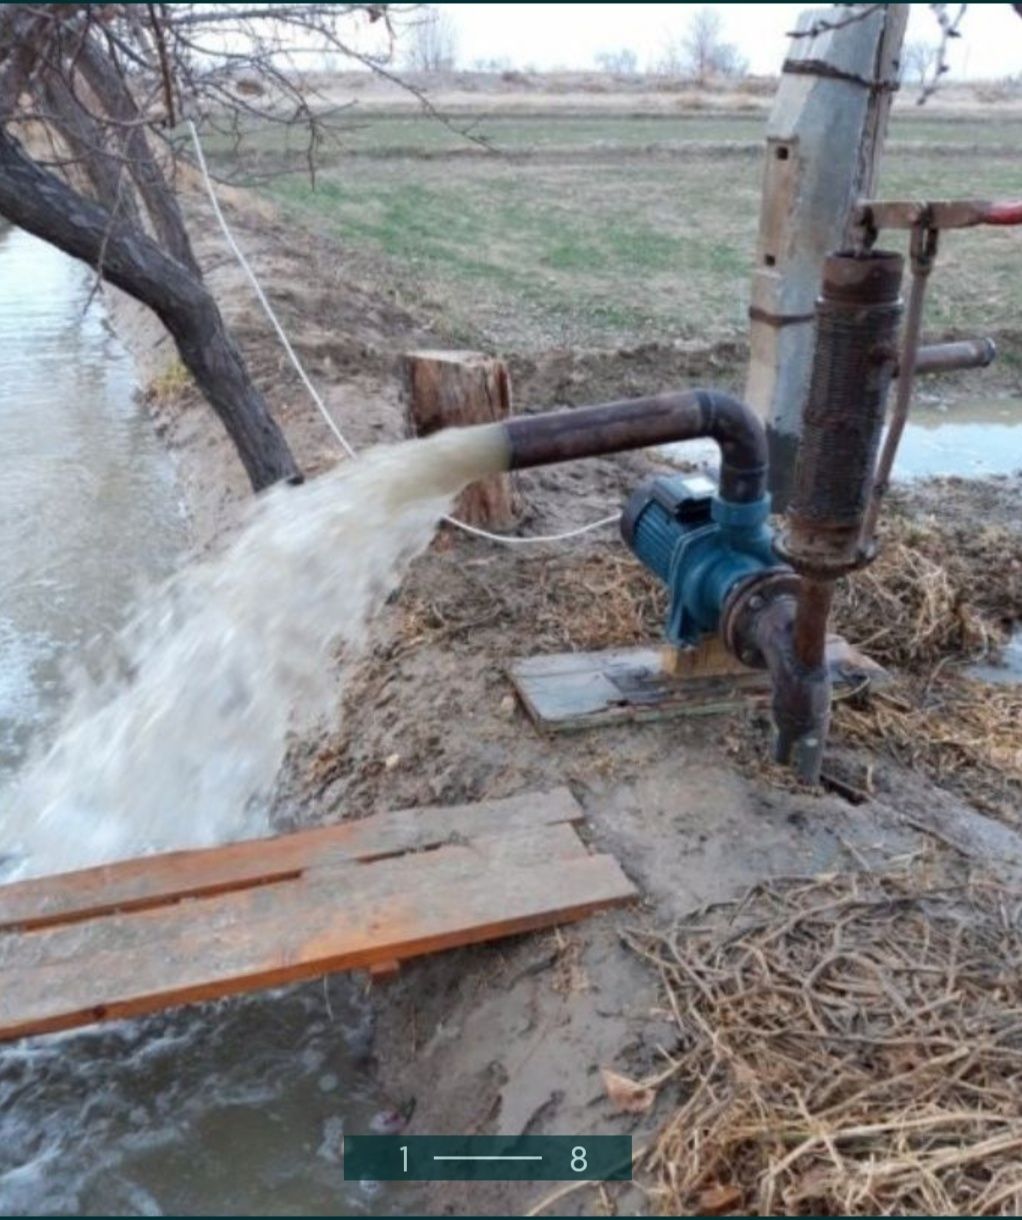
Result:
[[511, 1037]]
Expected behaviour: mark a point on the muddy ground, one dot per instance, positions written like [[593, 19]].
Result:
[[510, 1037]]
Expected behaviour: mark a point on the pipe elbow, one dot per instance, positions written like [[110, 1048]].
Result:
[[760, 627], [562, 436], [741, 438]]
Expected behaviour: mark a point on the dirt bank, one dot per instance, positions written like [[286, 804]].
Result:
[[512, 1037]]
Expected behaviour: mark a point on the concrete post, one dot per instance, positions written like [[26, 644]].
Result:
[[824, 141]]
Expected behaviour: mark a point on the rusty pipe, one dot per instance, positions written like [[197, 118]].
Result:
[[923, 252], [799, 676], [949, 357], [777, 621], [562, 436], [857, 316]]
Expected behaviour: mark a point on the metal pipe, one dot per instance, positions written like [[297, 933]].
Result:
[[759, 624], [857, 317], [801, 692], [923, 250], [809, 636], [562, 436], [948, 357]]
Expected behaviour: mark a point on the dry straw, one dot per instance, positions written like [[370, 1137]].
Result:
[[849, 1044], [935, 598], [933, 593]]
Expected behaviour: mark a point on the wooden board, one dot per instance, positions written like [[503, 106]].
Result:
[[157, 880], [567, 692], [344, 902]]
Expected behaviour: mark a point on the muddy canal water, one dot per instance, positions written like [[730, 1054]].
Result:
[[230, 1108]]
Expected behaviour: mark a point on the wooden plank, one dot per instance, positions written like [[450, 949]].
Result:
[[334, 917], [568, 692], [153, 880]]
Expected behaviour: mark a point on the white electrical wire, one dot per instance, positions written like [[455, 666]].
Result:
[[243, 263], [511, 539], [257, 287]]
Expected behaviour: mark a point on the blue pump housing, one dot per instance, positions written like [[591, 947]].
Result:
[[699, 545]]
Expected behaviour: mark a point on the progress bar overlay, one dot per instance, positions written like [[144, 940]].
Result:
[[487, 1158]]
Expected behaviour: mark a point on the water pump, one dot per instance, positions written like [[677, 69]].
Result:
[[712, 545], [700, 545]]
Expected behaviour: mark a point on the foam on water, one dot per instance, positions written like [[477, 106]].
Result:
[[178, 745]]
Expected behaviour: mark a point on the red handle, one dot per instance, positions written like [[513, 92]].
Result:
[[1003, 213]]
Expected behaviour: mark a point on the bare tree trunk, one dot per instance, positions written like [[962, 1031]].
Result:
[[160, 201], [85, 142], [43, 204]]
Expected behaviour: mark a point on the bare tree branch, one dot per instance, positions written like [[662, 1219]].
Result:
[[161, 49], [856, 12], [91, 101], [948, 30], [39, 202]]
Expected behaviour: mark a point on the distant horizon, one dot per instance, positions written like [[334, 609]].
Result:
[[569, 37]]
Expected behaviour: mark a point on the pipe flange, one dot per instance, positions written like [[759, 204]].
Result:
[[819, 564], [744, 602]]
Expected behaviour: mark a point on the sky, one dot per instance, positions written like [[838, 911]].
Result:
[[570, 35]]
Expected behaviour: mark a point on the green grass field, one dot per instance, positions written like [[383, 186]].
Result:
[[616, 230]]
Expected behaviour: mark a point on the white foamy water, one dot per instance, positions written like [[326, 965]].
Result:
[[179, 744], [235, 1107]]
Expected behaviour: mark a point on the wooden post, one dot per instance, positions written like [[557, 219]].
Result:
[[458, 389], [824, 141]]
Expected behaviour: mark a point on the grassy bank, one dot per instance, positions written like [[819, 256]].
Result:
[[610, 230]]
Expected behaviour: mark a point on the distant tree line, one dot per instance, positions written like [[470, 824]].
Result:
[[700, 53]]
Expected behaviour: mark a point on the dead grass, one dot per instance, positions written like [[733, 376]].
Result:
[[849, 1044], [582, 600], [938, 596], [962, 733], [933, 593], [169, 385]]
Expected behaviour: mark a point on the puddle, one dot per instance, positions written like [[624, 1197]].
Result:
[[1008, 669], [971, 439]]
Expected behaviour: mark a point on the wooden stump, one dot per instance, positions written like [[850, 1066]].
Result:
[[457, 390]]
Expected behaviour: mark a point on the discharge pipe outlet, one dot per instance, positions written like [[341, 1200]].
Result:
[[563, 436]]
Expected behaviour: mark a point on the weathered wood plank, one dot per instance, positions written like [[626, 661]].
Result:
[[568, 692], [336, 916], [154, 880]]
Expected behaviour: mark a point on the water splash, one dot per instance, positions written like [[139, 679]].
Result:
[[179, 744]]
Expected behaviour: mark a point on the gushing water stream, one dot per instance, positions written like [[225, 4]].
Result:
[[166, 735], [238, 1106], [179, 741]]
